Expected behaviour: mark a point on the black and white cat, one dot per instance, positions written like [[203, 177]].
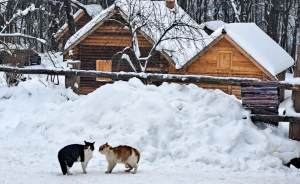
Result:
[[75, 153]]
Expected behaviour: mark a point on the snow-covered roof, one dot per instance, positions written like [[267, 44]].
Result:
[[255, 42], [158, 18], [260, 46], [213, 25], [92, 10]]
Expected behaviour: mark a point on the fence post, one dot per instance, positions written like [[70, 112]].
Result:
[[296, 94], [294, 128]]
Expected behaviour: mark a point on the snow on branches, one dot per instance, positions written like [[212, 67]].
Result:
[[236, 12], [7, 35], [19, 13]]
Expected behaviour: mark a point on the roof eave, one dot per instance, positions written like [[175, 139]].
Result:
[[89, 32]]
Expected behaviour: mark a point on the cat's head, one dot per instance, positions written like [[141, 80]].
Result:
[[89, 145], [103, 149]]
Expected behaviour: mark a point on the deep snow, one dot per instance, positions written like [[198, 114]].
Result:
[[185, 134]]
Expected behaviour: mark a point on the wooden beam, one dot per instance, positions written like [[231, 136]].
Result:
[[237, 81], [274, 118]]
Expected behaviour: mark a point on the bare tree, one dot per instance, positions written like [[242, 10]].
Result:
[[172, 27]]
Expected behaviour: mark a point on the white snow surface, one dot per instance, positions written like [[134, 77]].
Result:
[[185, 135], [259, 46], [213, 25], [93, 9], [190, 39]]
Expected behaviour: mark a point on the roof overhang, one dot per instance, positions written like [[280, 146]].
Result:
[[65, 28]]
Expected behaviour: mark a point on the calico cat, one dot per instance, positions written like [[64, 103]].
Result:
[[75, 153], [121, 154]]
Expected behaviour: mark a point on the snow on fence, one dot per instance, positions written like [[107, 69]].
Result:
[[148, 76]]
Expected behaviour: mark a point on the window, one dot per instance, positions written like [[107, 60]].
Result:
[[224, 60], [105, 66]]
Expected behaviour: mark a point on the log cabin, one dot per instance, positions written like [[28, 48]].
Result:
[[18, 55], [240, 50], [233, 50], [98, 41]]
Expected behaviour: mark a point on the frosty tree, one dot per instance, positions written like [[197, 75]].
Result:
[[170, 29], [8, 34]]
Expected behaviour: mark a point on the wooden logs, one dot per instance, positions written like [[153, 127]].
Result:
[[261, 98]]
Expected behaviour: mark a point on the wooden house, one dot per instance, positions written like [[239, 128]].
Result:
[[19, 56], [99, 40], [240, 50], [234, 50]]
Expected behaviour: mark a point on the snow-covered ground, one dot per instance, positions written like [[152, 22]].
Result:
[[185, 134]]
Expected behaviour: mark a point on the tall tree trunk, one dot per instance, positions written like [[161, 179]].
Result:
[[296, 30], [272, 18], [70, 19]]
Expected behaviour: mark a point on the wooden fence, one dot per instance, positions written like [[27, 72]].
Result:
[[149, 76]]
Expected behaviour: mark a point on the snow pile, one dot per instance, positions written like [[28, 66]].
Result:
[[2, 80], [180, 124], [29, 102]]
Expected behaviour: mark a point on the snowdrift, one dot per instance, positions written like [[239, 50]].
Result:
[[180, 124]]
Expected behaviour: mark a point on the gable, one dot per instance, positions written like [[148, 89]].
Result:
[[113, 33], [223, 58]]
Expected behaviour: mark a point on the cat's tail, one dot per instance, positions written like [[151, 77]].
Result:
[[137, 153], [63, 165]]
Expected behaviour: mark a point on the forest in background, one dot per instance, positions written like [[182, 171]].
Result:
[[280, 19]]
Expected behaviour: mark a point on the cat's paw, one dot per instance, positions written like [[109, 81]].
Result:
[[107, 172], [84, 172], [69, 174]]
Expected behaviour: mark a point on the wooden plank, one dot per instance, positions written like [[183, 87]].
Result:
[[294, 131], [275, 118]]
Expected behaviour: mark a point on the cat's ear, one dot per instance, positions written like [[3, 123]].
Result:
[[93, 142], [106, 143], [85, 142]]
